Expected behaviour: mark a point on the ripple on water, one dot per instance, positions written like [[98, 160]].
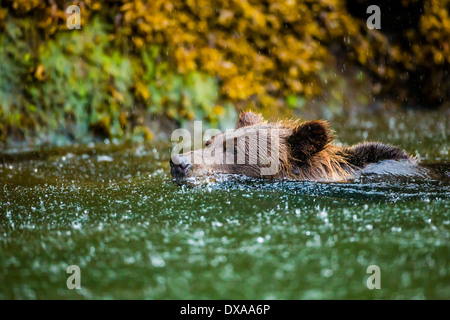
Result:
[[136, 234]]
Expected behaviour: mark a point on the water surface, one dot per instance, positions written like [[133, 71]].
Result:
[[115, 212]]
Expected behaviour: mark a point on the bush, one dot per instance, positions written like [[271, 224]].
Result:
[[186, 59]]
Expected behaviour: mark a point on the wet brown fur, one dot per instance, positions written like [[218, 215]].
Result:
[[313, 158], [306, 151]]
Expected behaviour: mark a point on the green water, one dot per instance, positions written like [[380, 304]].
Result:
[[114, 212]]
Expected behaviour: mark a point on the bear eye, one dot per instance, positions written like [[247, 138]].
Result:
[[225, 149], [207, 143]]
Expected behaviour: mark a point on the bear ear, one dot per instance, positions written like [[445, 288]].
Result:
[[309, 138], [248, 119]]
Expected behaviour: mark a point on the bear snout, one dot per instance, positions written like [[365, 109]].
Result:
[[179, 166]]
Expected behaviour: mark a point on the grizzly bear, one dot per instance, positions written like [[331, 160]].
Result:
[[295, 150]]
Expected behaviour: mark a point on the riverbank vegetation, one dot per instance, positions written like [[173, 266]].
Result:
[[136, 65]]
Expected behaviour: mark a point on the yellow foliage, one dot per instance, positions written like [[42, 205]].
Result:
[[142, 91], [256, 48]]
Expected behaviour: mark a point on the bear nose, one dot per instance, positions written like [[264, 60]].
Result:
[[179, 165]]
